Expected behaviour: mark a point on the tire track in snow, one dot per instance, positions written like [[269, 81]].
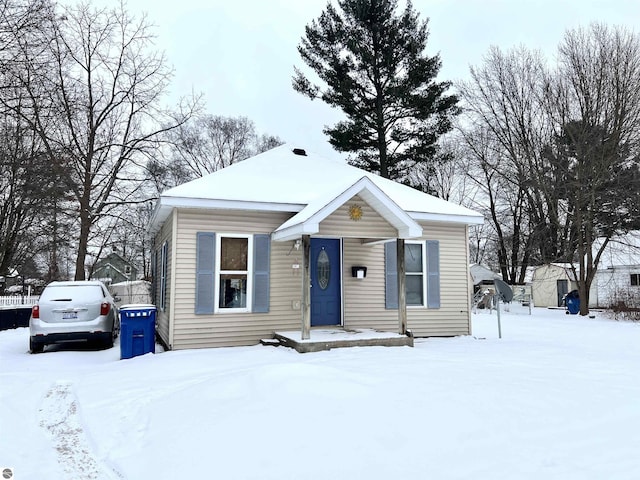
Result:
[[59, 416]]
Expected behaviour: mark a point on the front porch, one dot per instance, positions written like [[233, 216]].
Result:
[[326, 338]]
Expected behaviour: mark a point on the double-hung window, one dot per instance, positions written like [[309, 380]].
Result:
[[635, 279], [414, 262], [422, 274], [233, 267], [232, 273]]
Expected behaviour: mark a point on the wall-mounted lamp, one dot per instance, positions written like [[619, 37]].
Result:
[[359, 272], [296, 244]]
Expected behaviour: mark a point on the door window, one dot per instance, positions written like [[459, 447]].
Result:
[[324, 269]]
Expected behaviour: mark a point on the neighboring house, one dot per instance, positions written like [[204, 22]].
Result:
[[288, 240], [550, 283], [617, 280], [114, 269]]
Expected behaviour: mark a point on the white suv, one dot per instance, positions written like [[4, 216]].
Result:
[[73, 311]]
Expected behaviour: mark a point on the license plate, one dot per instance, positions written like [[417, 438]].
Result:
[[69, 315]]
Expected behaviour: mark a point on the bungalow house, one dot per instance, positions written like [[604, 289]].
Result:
[[288, 240]]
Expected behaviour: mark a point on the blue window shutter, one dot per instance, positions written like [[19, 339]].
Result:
[[154, 278], [205, 271], [163, 275], [390, 276], [433, 274], [261, 272]]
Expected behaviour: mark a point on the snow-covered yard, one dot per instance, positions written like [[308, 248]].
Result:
[[558, 397]]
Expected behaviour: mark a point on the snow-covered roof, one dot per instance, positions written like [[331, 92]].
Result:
[[132, 283], [281, 180], [481, 273], [622, 250], [131, 287]]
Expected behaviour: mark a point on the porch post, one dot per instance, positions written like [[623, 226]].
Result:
[[402, 291], [306, 287]]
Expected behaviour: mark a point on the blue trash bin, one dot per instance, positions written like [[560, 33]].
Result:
[[572, 302], [137, 330]]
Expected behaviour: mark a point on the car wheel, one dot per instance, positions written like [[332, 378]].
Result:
[[35, 347], [108, 343]]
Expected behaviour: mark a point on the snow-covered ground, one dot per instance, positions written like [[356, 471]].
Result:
[[558, 397]]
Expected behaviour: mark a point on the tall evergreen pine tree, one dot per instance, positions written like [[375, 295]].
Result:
[[372, 62]]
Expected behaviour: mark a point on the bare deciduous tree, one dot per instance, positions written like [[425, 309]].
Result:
[[595, 102], [21, 182], [25, 177], [97, 108], [504, 130], [206, 144], [563, 164]]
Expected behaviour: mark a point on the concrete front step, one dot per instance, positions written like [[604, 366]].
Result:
[[326, 339]]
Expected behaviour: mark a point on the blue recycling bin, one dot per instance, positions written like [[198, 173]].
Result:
[[137, 330], [572, 302]]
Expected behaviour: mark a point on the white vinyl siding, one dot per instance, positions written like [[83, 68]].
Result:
[[613, 285]]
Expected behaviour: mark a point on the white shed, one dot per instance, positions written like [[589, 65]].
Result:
[[550, 283]]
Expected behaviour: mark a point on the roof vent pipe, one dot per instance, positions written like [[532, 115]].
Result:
[[299, 151]]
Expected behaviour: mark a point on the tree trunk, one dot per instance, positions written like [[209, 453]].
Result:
[[83, 242], [83, 239]]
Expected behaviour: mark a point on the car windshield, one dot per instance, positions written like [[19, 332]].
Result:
[[61, 293]]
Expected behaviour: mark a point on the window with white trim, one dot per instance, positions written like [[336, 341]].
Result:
[[234, 264], [414, 263], [635, 279]]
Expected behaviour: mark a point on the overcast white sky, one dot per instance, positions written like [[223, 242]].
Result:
[[241, 53]]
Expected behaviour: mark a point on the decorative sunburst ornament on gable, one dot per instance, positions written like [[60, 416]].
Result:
[[355, 212]]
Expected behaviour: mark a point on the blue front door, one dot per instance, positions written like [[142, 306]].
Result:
[[325, 282]]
